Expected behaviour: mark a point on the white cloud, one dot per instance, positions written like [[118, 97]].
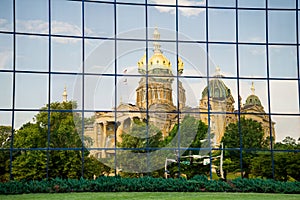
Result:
[[4, 25], [184, 11], [257, 39], [35, 26], [5, 56], [57, 27]]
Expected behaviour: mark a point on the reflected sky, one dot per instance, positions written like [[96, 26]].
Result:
[[101, 57]]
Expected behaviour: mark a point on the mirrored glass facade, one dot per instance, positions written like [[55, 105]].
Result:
[[149, 87]]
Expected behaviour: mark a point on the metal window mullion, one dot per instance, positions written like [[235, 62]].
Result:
[[208, 89], [177, 90], [298, 66], [115, 82], [49, 89], [82, 87], [238, 85], [147, 103], [11, 149], [268, 89]]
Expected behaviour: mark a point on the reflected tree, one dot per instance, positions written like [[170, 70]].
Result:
[[286, 162], [5, 133], [251, 134], [32, 138]]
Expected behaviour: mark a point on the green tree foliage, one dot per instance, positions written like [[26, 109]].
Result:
[[141, 136], [65, 132], [144, 139], [192, 132], [286, 164], [5, 133], [189, 133], [252, 136]]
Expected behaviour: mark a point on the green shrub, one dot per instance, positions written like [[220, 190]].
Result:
[[198, 183]]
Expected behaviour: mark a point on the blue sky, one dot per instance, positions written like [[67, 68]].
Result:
[[32, 52]]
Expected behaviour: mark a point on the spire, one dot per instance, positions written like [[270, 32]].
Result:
[[156, 44], [252, 88], [65, 95], [218, 70]]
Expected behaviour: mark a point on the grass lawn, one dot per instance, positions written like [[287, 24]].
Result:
[[153, 195]]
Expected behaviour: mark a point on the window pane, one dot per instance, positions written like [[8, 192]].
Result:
[[252, 26], [192, 24], [169, 2], [284, 96], [129, 54], [224, 3], [126, 89], [224, 57], [166, 26], [99, 64], [254, 96], [99, 92], [252, 61], [285, 21], [32, 16], [99, 19], [6, 90], [66, 54], [286, 126], [32, 53], [23, 117], [252, 3], [285, 169], [193, 57], [6, 51], [104, 93], [70, 137], [71, 85], [281, 4], [5, 118], [283, 57], [6, 16], [221, 25], [31, 90], [66, 17], [192, 91], [131, 26]]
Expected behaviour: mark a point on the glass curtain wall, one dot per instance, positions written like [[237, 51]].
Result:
[[149, 87]]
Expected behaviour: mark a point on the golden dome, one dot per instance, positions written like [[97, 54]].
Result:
[[142, 61], [159, 61]]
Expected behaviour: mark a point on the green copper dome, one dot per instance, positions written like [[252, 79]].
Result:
[[252, 100], [217, 89]]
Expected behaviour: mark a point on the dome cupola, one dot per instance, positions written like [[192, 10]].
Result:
[[217, 88], [252, 99], [158, 60]]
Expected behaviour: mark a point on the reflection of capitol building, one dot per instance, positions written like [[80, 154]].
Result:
[[154, 92]]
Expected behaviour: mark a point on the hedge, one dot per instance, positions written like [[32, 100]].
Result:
[[198, 183]]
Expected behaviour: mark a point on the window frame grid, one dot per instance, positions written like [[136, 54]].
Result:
[[146, 5]]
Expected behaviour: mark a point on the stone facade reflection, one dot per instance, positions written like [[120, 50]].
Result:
[[154, 97]]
